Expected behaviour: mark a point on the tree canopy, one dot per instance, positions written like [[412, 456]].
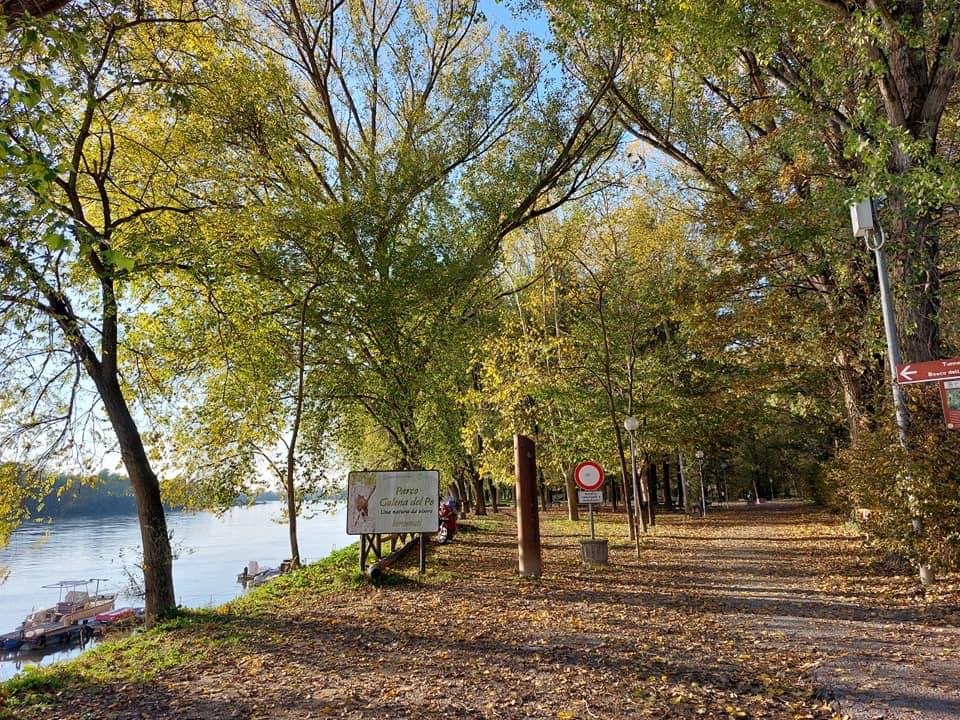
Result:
[[273, 239]]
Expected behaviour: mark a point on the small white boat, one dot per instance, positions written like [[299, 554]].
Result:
[[76, 607]]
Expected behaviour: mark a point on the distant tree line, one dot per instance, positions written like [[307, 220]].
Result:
[[107, 494]]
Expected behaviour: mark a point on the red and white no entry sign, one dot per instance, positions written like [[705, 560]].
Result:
[[588, 475]]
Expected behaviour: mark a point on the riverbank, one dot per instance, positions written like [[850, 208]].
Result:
[[755, 612]]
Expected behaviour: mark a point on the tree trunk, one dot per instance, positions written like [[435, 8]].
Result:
[[292, 521], [624, 474], [479, 507], [653, 484], [667, 490], [464, 495], [682, 477], [494, 501], [573, 510], [544, 503], [628, 506], [651, 499], [160, 599], [916, 282]]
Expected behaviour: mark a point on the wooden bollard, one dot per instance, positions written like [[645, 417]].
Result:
[[528, 521]]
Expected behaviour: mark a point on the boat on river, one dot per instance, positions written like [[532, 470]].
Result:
[[11, 640], [74, 614], [253, 575]]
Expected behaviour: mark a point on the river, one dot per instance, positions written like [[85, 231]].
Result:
[[211, 551]]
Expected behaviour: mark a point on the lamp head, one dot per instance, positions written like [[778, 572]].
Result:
[[861, 217], [631, 423]]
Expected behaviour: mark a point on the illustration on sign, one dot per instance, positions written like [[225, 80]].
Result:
[[953, 394], [950, 399], [393, 501]]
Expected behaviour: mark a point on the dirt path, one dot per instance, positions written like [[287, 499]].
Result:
[[754, 612], [886, 648]]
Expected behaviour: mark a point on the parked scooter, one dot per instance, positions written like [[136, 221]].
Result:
[[448, 521]]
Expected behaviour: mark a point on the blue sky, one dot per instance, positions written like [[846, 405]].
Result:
[[509, 14]]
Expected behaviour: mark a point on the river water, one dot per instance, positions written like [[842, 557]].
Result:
[[211, 551]]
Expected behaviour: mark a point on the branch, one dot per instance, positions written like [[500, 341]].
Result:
[[34, 8]]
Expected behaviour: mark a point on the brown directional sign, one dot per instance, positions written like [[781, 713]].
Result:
[[930, 371]]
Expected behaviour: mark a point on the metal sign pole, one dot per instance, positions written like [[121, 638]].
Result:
[[593, 535]]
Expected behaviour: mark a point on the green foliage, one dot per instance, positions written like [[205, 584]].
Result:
[[31, 688], [898, 485], [20, 490]]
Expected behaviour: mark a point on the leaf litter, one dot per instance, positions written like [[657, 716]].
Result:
[[748, 614]]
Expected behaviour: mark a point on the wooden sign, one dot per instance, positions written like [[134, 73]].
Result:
[[393, 501], [930, 371]]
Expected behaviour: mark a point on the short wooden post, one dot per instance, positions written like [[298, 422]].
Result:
[[528, 521]]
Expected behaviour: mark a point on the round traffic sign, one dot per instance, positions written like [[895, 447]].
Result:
[[588, 475]]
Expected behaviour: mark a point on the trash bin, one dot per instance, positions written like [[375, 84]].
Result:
[[593, 552]]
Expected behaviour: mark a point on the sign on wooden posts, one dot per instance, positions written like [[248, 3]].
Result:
[[394, 504], [393, 501]]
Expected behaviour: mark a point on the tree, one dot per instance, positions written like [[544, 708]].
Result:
[[89, 168], [413, 145], [771, 118], [255, 365]]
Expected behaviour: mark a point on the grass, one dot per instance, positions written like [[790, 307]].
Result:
[[189, 637], [337, 571]]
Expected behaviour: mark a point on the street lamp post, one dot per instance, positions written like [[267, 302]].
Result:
[[703, 494], [631, 424], [866, 225], [863, 217]]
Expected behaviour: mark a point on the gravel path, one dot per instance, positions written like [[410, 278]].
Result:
[[886, 649]]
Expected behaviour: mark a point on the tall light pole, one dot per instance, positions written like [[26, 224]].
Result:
[[631, 424], [703, 495], [866, 225]]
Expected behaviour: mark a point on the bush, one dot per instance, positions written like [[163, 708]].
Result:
[[899, 485]]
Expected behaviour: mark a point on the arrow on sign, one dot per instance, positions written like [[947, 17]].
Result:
[[929, 371], [907, 374]]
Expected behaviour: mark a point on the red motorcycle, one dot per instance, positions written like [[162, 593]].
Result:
[[448, 522]]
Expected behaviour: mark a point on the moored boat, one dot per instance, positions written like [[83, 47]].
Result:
[[11, 640], [76, 608], [114, 616]]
